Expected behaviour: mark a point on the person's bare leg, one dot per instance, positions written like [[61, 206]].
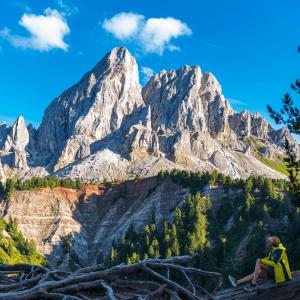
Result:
[[245, 279], [256, 271]]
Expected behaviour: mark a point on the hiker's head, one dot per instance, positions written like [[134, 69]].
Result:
[[274, 241]]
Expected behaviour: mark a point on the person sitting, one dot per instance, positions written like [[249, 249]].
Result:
[[276, 266]]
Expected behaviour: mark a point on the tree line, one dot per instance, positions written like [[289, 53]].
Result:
[[12, 184]]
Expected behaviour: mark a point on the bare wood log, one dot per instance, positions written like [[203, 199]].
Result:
[[110, 292], [22, 277], [20, 284], [155, 294], [22, 267], [191, 271], [173, 295], [90, 269], [173, 260], [56, 296], [30, 272], [3, 278], [82, 296], [189, 280], [78, 287], [170, 284], [51, 266]]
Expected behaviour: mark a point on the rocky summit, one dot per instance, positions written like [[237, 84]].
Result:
[[108, 126]]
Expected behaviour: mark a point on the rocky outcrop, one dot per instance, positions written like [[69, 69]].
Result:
[[187, 100], [244, 125], [266, 151], [248, 149], [17, 137], [279, 136], [14, 141], [75, 148]]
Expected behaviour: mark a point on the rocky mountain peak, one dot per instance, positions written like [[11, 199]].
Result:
[[256, 115], [174, 100], [209, 84], [18, 136], [94, 107]]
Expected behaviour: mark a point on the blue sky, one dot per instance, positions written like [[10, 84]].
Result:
[[47, 46]]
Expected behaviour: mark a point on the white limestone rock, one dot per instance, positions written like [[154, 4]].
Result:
[[267, 151], [174, 100], [96, 105], [77, 147], [17, 136], [279, 136], [134, 134], [96, 167]]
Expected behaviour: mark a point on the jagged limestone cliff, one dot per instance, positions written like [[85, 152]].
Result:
[[108, 126]]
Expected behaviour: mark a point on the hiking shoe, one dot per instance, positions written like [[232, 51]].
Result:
[[232, 281], [251, 287]]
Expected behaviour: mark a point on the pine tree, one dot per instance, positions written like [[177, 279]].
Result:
[[151, 252], [174, 241], [155, 246], [46, 182], [168, 253], [10, 248], [78, 184], [208, 203], [133, 258]]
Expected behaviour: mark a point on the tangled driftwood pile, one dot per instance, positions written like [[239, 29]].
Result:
[[36, 282]]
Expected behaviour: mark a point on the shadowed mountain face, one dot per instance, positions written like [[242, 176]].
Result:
[[107, 126]]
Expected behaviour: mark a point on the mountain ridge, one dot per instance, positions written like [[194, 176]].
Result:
[[180, 119]]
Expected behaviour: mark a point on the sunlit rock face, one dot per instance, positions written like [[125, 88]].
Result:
[[186, 99], [95, 106], [108, 126]]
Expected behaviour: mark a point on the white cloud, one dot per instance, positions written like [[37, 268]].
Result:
[[157, 33], [236, 102], [67, 7], [124, 25], [47, 31], [148, 73], [153, 35]]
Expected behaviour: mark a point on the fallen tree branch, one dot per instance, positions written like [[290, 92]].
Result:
[[36, 282]]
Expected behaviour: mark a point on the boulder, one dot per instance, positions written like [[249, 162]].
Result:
[[266, 151]]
